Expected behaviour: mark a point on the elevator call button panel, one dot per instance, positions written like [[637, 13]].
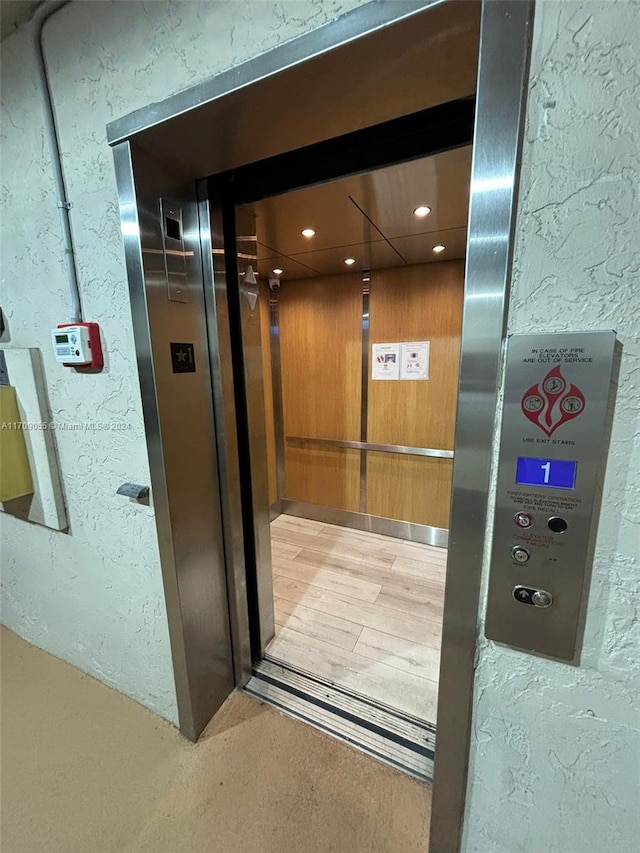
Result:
[[555, 423]]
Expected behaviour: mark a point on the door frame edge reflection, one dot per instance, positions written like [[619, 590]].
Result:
[[505, 43], [222, 382]]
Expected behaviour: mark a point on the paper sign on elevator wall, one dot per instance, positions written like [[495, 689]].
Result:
[[385, 361], [414, 360]]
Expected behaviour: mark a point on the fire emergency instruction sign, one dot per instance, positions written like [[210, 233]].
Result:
[[556, 396], [554, 399], [406, 360]]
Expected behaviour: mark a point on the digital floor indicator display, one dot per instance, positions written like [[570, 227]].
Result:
[[553, 473], [556, 418]]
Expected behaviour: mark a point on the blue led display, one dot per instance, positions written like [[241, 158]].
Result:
[[552, 473]]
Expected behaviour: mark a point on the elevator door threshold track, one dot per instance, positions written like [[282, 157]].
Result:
[[398, 739]]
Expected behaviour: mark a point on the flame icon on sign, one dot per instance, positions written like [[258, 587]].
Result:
[[551, 403]]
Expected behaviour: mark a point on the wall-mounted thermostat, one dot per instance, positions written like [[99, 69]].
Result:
[[554, 436], [77, 345]]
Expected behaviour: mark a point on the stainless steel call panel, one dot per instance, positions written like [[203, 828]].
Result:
[[554, 427]]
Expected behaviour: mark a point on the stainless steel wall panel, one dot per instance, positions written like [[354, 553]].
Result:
[[276, 376], [409, 530], [180, 431], [215, 292], [502, 75], [364, 389], [252, 343]]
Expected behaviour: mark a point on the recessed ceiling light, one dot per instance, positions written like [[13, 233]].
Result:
[[422, 210], [349, 261], [308, 232], [438, 249], [277, 271]]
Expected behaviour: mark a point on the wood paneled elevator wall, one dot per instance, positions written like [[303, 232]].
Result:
[[320, 339]]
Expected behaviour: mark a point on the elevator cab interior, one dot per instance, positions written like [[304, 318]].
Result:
[[351, 296]]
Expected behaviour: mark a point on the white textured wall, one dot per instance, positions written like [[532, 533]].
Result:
[[555, 754], [94, 597]]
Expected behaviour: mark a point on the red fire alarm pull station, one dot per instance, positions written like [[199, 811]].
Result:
[[78, 345]]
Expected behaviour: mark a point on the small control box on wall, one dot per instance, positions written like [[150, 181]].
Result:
[[78, 345]]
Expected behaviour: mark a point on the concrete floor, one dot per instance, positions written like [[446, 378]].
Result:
[[86, 769]]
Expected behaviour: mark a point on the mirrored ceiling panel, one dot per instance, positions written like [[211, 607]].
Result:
[[389, 217], [326, 209], [390, 196], [419, 248], [370, 255], [269, 267]]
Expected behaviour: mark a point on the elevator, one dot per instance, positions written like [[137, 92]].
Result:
[[354, 325], [241, 455]]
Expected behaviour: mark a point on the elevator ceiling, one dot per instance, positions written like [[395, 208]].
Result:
[[370, 218]]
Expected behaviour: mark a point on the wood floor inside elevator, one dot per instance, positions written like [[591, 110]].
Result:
[[361, 610]]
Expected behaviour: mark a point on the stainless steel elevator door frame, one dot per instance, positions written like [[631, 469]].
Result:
[[179, 422], [172, 132]]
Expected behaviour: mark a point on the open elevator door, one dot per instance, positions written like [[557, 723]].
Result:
[[376, 729], [227, 205], [228, 236], [251, 417]]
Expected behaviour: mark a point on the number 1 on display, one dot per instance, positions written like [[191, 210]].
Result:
[[549, 473]]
